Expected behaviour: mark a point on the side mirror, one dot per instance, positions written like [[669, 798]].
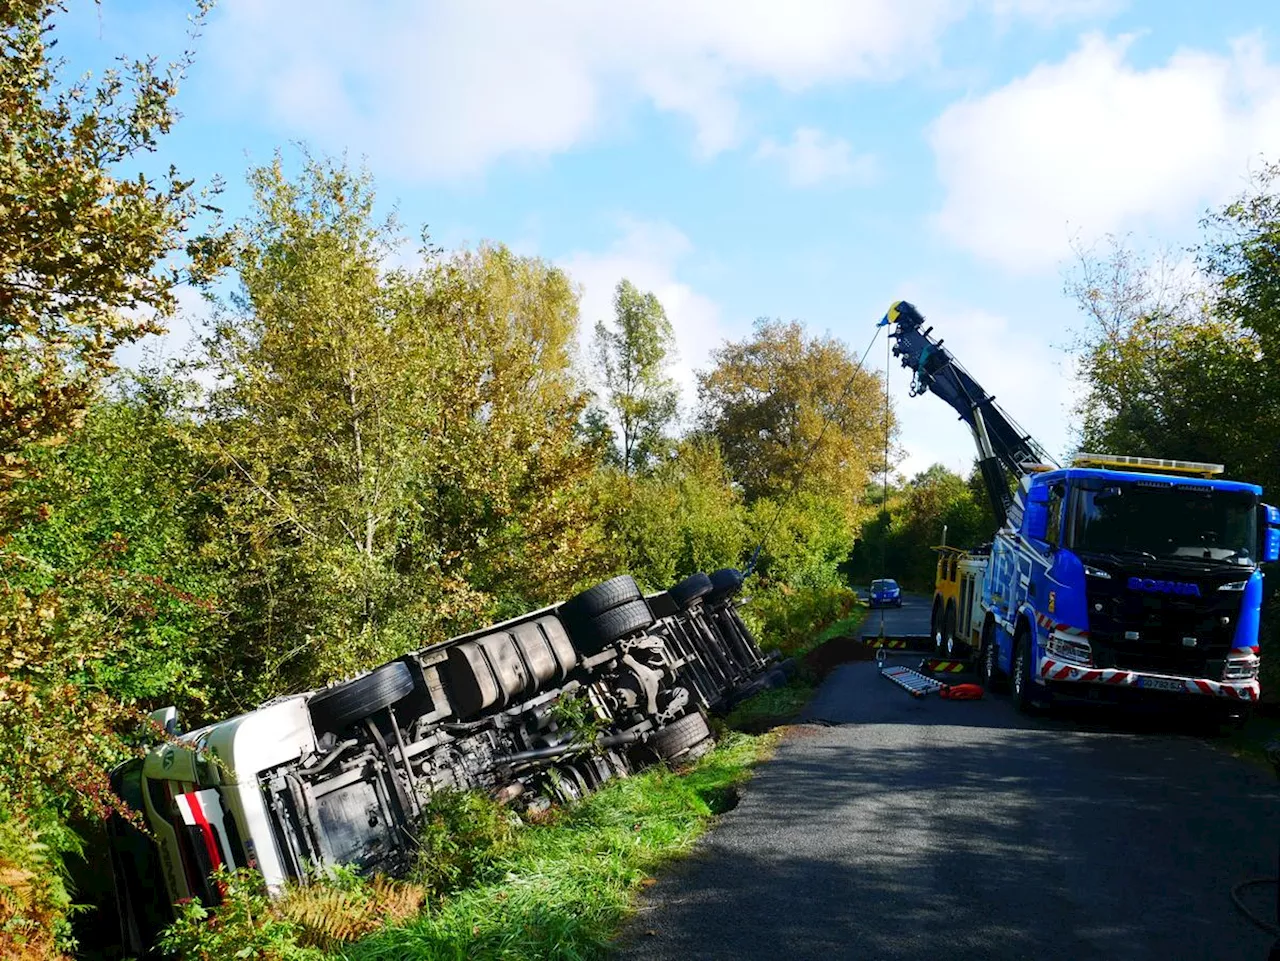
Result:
[[1035, 522], [167, 718], [1270, 534]]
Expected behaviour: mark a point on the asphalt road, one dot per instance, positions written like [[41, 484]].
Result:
[[919, 829]]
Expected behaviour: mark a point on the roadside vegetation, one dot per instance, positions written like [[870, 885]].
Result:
[[490, 885], [353, 461], [358, 459]]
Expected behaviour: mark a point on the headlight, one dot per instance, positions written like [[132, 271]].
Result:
[[1234, 586], [1240, 668], [1074, 650], [1095, 572]]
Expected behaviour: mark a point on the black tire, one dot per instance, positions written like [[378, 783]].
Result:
[[949, 630], [690, 589], [595, 634], [935, 626], [680, 737], [605, 596], [338, 707], [898, 602], [725, 583], [1022, 682], [992, 677]]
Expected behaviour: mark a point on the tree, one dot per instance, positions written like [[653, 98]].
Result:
[[83, 249], [683, 517], [86, 265], [633, 359], [516, 499], [898, 541], [400, 448], [1160, 362], [767, 401]]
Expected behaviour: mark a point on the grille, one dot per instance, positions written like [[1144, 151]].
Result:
[[1162, 621]]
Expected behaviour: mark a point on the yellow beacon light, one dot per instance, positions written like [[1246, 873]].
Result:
[[1157, 464]]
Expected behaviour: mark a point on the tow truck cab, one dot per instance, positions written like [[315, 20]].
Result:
[[1129, 574]]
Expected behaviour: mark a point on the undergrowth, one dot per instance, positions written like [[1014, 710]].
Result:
[[768, 709], [794, 620], [563, 888]]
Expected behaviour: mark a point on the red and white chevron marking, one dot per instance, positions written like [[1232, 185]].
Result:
[[1052, 670], [1049, 624]]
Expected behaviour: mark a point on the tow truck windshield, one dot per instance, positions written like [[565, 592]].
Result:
[[1164, 521]]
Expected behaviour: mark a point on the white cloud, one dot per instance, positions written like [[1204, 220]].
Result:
[[649, 255], [813, 157], [444, 89], [1093, 144]]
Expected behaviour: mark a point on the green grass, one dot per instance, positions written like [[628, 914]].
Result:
[[768, 709], [566, 887]]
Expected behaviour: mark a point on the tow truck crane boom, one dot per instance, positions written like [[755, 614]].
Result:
[[1005, 451]]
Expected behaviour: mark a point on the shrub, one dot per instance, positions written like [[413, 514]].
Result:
[[33, 895], [788, 619], [242, 926], [301, 924], [462, 834]]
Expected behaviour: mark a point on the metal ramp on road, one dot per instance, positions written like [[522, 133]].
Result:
[[912, 681]]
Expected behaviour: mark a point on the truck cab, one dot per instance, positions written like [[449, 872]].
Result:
[[1123, 574]]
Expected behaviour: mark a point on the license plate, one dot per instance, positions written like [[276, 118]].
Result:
[[1162, 684]]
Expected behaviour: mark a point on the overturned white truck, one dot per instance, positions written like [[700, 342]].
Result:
[[543, 707]]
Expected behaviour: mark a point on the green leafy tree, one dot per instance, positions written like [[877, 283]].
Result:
[[515, 498], [1160, 363], [84, 250], [684, 517], [400, 447], [86, 265], [898, 541], [766, 400], [633, 358]]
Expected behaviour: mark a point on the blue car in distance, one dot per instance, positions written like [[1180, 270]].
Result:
[[886, 593]]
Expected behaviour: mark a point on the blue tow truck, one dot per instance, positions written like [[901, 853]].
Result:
[[1115, 578]]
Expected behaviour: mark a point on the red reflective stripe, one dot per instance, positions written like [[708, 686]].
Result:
[[1091, 675], [1118, 678], [1062, 674], [1204, 686], [206, 829]]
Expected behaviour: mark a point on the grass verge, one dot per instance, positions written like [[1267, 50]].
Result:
[[769, 709], [565, 887]]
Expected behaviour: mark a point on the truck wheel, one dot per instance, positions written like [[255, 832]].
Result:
[[725, 583], [992, 678], [336, 708], [605, 596], [1022, 683], [690, 589], [594, 635], [682, 737], [935, 626], [949, 630]]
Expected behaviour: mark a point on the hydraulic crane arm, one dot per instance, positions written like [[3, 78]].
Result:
[[1005, 451]]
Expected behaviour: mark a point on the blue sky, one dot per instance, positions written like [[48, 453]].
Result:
[[810, 160]]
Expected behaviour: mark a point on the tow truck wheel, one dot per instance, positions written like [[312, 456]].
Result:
[[935, 626], [1022, 683], [992, 679]]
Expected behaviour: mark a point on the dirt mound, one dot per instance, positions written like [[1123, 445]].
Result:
[[829, 655]]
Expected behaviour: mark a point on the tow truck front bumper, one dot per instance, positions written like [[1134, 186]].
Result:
[[1058, 674]]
